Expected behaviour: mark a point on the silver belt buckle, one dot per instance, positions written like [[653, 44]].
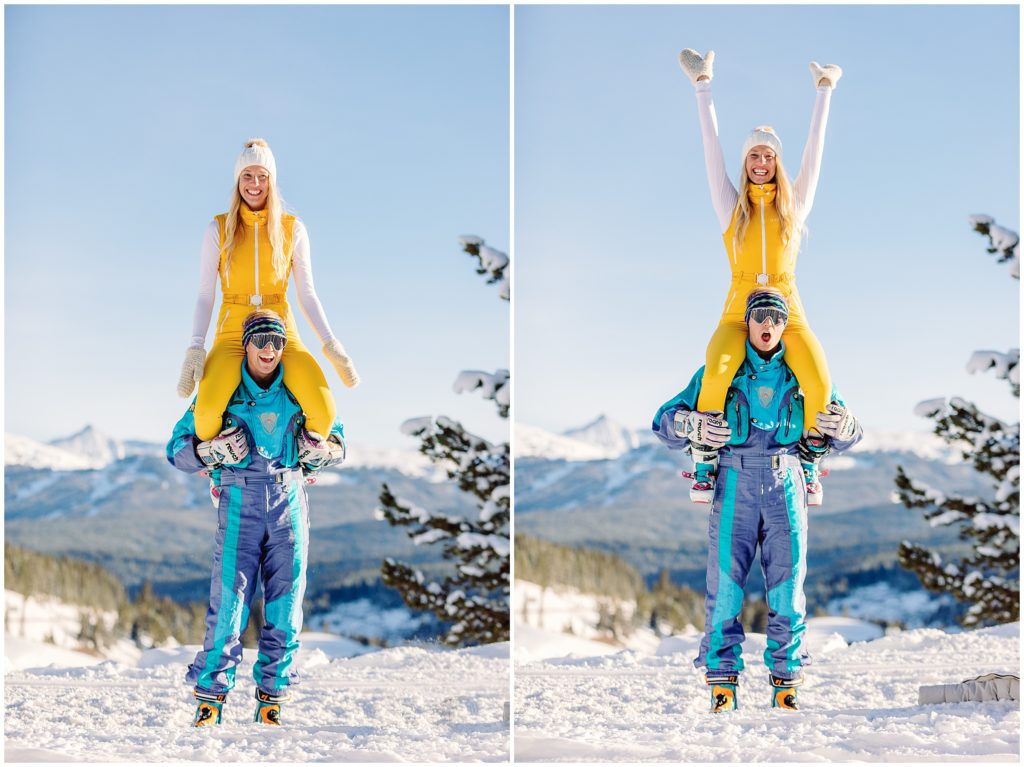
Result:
[[762, 279], [256, 300], [776, 461]]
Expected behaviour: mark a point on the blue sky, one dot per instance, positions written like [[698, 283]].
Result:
[[620, 271], [390, 126]]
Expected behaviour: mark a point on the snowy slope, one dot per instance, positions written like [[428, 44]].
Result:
[[859, 702], [405, 704]]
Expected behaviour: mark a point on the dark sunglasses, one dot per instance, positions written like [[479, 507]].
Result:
[[776, 316], [262, 339]]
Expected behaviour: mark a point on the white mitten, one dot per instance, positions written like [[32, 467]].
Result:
[[696, 65], [191, 370], [708, 429], [336, 354], [831, 72], [229, 448], [838, 423]]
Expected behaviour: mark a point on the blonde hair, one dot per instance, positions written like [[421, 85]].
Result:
[[790, 226], [275, 227]]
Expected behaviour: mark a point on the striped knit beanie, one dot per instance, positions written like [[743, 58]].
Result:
[[262, 321], [766, 298]]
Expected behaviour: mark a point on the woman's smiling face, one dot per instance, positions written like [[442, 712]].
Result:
[[761, 164], [254, 186]]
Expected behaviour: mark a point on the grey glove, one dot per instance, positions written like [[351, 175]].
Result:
[[191, 370], [229, 448], [838, 423], [696, 65], [709, 429], [830, 72]]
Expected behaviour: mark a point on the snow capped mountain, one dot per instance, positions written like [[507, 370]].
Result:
[[92, 446], [23, 451], [86, 449], [534, 442], [614, 438], [600, 439]]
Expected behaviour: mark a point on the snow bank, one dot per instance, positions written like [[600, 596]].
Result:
[[859, 702], [415, 704]]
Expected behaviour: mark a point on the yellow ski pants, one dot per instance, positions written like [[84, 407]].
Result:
[[223, 373], [727, 349]]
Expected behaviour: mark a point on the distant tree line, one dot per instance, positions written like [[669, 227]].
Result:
[[665, 607], [148, 620]]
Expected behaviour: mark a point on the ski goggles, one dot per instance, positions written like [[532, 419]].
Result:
[[262, 339], [770, 313]]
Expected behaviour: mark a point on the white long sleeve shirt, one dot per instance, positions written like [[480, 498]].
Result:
[[723, 193], [302, 270]]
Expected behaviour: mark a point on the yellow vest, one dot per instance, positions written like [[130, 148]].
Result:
[[250, 270], [761, 252]]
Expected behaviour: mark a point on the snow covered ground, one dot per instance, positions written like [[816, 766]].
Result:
[[575, 701], [405, 704]]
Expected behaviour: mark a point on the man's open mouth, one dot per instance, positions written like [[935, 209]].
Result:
[[766, 337]]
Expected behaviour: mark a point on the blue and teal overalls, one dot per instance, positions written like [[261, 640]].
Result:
[[262, 537], [760, 500]]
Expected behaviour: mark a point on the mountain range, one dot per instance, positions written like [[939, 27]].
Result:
[[123, 505]]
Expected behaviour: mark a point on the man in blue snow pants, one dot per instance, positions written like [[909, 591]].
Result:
[[760, 499], [257, 466]]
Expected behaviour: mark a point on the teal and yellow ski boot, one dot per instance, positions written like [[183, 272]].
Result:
[[268, 708], [210, 708], [723, 691], [784, 692]]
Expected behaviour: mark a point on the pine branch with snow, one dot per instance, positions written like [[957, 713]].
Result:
[[474, 597], [987, 580], [1005, 243], [493, 386], [492, 262]]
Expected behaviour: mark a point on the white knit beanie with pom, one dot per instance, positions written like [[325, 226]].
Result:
[[762, 134], [256, 152]]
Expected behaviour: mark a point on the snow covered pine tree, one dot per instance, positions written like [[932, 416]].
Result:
[[475, 598], [989, 579]]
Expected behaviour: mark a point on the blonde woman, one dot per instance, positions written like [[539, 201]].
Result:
[[254, 248], [761, 226]]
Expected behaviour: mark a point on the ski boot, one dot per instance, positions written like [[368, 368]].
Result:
[[784, 692], [268, 707], [813, 446], [705, 469], [210, 708], [723, 691]]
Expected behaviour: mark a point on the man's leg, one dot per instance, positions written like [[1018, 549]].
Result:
[[732, 538], [784, 558], [232, 583], [284, 584]]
